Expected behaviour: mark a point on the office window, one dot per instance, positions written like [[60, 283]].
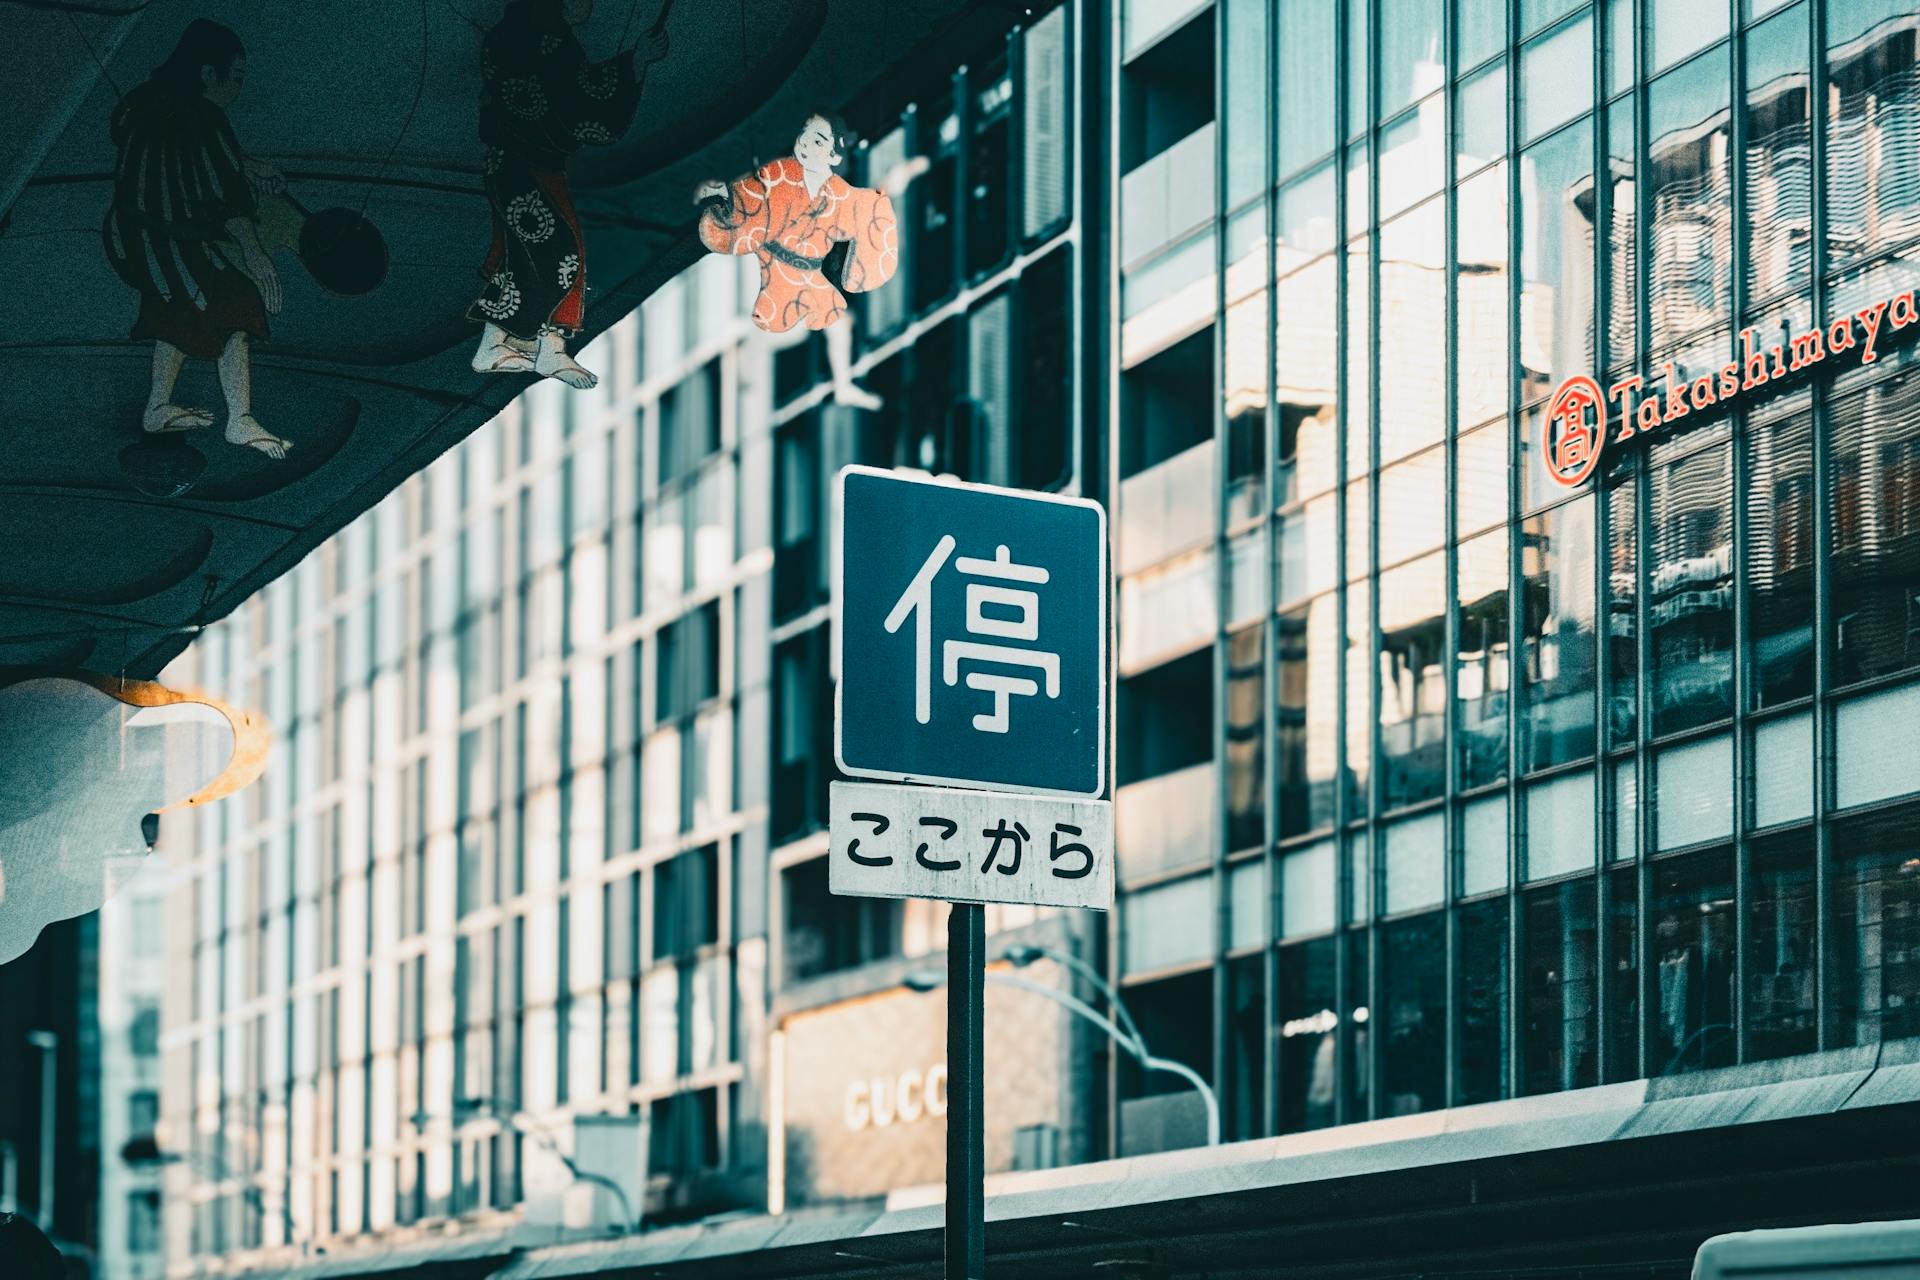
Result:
[[1873, 162], [1482, 673], [1779, 1001], [1558, 1046], [1413, 1016], [1780, 550], [1559, 654], [1413, 694], [824, 932], [1691, 575], [1556, 77], [1246, 738], [1306, 47], [687, 663], [1875, 530], [1556, 257], [1777, 167], [686, 903], [1480, 1073], [1873, 987], [143, 1034], [689, 422], [1692, 936], [1305, 1014], [143, 1112], [1690, 286]]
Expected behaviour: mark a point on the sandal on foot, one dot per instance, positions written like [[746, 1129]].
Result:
[[165, 419], [246, 429]]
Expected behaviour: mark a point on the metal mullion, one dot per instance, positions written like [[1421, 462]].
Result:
[[1343, 880], [1269, 667], [1823, 747], [1376, 845], [1223, 905], [1603, 809], [1514, 1002], [1743, 762], [1643, 578], [1449, 627]]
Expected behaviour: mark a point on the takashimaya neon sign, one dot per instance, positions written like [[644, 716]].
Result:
[[1581, 418]]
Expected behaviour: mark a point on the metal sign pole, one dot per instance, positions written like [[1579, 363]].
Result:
[[966, 1132]]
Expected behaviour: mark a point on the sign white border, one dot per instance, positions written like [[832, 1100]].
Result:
[[1104, 577]]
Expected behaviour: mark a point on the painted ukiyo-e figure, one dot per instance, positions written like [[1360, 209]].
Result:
[[818, 238], [183, 231], [541, 101]]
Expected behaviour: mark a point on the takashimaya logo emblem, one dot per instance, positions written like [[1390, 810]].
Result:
[[1580, 416]]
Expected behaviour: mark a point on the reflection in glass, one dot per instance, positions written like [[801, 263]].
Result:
[[1481, 676], [1413, 313], [1623, 245], [1356, 1070], [1246, 738], [1480, 1072], [1691, 201], [1556, 260], [1780, 944], [1305, 706], [1691, 581], [1413, 58], [1623, 978], [1413, 1016], [1779, 552], [1557, 1048], [1306, 553], [1413, 156], [1558, 655], [1245, 359], [1360, 713], [1359, 355], [1306, 1017], [1246, 97], [1556, 77], [1306, 384], [1481, 489], [1875, 530], [1413, 693], [1873, 140], [1692, 932], [1359, 523], [1480, 31], [1481, 286], [1358, 47], [1873, 987], [1778, 165], [1677, 28], [1623, 590], [1305, 42], [1480, 118], [1246, 1065], [1413, 506]]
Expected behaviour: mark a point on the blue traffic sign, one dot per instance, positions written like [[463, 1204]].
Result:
[[970, 635]]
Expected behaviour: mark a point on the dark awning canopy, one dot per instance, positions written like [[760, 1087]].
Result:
[[362, 104]]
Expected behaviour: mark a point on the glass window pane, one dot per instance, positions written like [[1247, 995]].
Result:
[[1875, 526], [1482, 284], [1692, 946], [1413, 156], [1359, 354], [1483, 845], [1783, 770], [1305, 705], [1481, 671], [1623, 587], [1691, 201], [1779, 556], [1556, 77], [1480, 119], [1244, 349], [1358, 45], [1415, 863], [1560, 826], [1166, 925], [1246, 97], [1557, 635], [1535, 14], [1247, 904], [1873, 142], [1413, 509], [1557, 937], [1306, 215], [1693, 792], [1622, 1016], [1413, 1014], [1873, 737], [1619, 46], [1305, 1013], [1306, 40], [1413, 309], [1306, 890], [1306, 553], [1413, 693], [1360, 714], [1480, 1074], [1676, 28], [1307, 389], [1481, 491], [1246, 737], [1873, 988], [1780, 927], [1480, 30], [1692, 584], [1359, 526], [1556, 261], [1778, 168], [1623, 245], [1412, 57]]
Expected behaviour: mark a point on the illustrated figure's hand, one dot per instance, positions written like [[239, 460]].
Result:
[[654, 50], [265, 179], [260, 268], [711, 189], [902, 175]]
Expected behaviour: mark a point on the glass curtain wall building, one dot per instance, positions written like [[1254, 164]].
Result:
[[1510, 787]]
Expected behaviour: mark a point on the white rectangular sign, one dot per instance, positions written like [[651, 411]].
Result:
[[970, 846]]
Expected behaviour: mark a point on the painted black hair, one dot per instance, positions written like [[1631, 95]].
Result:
[[204, 43], [844, 138]]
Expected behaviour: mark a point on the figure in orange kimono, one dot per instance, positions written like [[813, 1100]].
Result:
[[818, 238]]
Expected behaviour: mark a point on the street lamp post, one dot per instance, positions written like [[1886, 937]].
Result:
[[48, 1044], [1126, 1034], [520, 1122]]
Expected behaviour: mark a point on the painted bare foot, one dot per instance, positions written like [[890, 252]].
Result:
[[163, 418], [851, 395], [501, 352], [554, 362], [244, 428]]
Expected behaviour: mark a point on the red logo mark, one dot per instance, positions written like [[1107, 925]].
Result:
[[1575, 430]]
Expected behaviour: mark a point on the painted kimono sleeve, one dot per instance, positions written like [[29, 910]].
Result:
[[743, 223], [603, 101], [865, 222]]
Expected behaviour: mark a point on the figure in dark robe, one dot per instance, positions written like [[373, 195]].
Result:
[[541, 101], [183, 231], [818, 238]]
